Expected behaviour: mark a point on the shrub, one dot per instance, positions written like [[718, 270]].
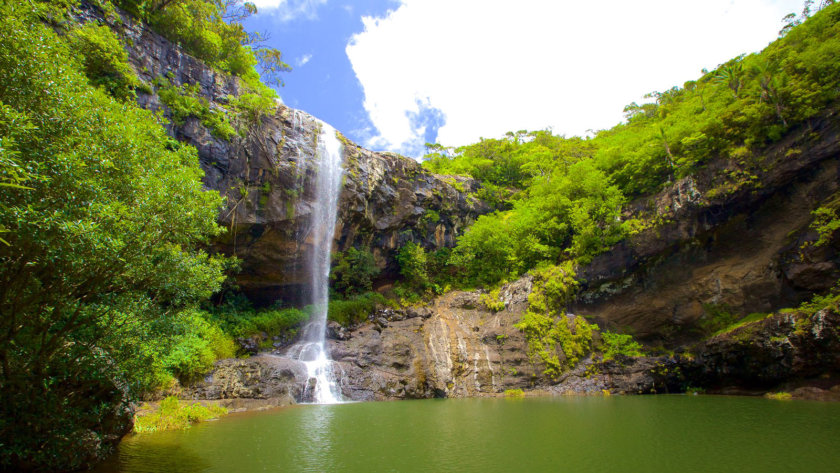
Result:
[[779, 396], [353, 271], [172, 415], [197, 345], [352, 311], [514, 393], [547, 329], [620, 344], [104, 59], [186, 101], [412, 259], [492, 301]]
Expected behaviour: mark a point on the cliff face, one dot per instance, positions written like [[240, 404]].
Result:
[[266, 173], [731, 239]]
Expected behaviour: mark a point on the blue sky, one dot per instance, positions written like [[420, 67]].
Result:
[[395, 74], [312, 36]]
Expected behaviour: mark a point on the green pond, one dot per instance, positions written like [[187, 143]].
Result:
[[565, 434]]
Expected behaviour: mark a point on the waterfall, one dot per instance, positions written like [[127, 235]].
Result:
[[313, 350]]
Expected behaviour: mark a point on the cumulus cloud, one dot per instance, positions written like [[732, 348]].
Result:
[[287, 10], [301, 61], [480, 68]]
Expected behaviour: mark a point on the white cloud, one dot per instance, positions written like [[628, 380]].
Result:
[[493, 66], [286, 10], [301, 61]]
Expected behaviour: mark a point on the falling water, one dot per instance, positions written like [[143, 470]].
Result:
[[312, 350]]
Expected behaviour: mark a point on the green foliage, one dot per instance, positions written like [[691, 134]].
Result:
[[825, 223], [779, 396], [514, 393], [492, 300], [575, 213], [619, 344], [719, 319], [549, 332], [212, 31], [172, 415], [186, 101], [413, 262], [353, 271], [563, 197], [196, 345], [754, 317], [354, 310], [102, 244], [251, 107], [105, 59], [430, 217], [237, 318], [716, 317]]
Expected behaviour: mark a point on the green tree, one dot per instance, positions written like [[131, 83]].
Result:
[[102, 247], [353, 271]]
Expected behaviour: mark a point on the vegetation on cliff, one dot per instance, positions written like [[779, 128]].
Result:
[[561, 198], [103, 220]]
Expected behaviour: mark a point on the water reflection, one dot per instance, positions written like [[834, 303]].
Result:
[[617, 434], [314, 429], [154, 454]]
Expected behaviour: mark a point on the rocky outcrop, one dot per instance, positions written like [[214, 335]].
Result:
[[260, 377], [728, 237], [455, 347], [266, 174], [782, 348]]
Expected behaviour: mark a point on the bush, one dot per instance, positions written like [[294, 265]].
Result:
[[412, 260], [172, 415], [616, 344], [243, 322], [105, 60], [547, 329], [197, 345], [186, 101], [353, 271], [349, 312]]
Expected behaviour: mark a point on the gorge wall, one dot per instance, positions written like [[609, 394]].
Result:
[[266, 172], [721, 242], [731, 236]]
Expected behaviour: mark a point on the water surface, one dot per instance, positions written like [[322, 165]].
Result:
[[567, 434]]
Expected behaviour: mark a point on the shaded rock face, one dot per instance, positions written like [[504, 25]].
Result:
[[764, 354], [724, 243], [267, 175]]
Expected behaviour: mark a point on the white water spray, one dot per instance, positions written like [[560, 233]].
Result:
[[312, 349]]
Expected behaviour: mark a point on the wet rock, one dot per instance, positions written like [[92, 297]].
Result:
[[249, 345], [336, 332], [260, 377]]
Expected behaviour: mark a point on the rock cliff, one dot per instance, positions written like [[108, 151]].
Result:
[[266, 173], [729, 237]]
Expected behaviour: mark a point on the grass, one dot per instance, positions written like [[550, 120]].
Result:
[[172, 415], [514, 393], [779, 396], [755, 317]]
